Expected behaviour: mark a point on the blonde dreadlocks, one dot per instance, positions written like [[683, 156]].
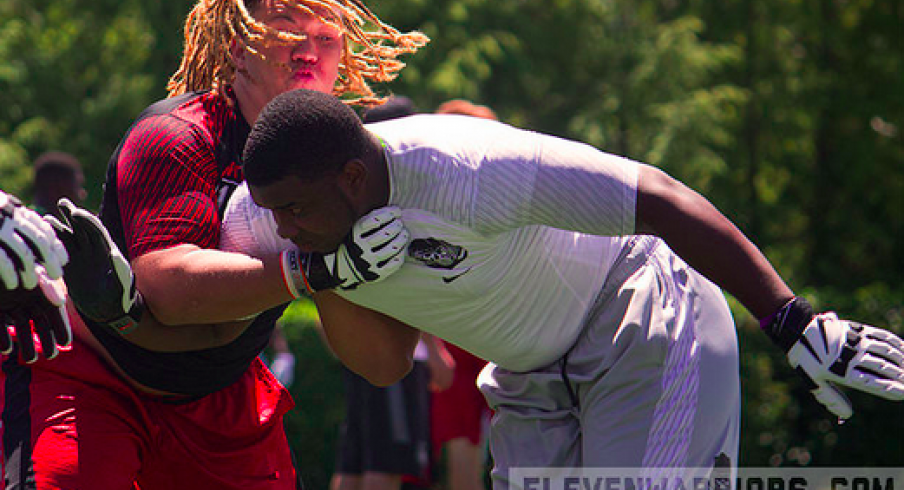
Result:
[[212, 25]]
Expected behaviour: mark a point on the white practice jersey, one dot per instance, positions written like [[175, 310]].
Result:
[[512, 234]]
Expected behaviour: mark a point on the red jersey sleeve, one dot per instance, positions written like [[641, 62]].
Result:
[[166, 176]]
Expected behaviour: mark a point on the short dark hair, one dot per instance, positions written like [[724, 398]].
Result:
[[55, 166], [303, 133]]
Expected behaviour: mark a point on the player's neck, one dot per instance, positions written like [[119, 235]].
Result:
[[250, 102], [379, 183]]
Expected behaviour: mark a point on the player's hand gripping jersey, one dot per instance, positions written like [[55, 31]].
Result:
[[374, 250]]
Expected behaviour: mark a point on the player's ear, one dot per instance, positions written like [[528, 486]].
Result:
[[353, 179], [237, 53]]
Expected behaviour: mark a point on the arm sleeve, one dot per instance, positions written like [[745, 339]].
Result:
[[248, 228], [167, 180], [544, 180]]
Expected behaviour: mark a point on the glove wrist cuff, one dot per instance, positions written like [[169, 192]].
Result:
[[787, 324], [306, 272], [127, 323], [318, 274]]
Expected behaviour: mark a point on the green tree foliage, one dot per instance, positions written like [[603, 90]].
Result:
[[621, 75], [73, 74], [818, 166]]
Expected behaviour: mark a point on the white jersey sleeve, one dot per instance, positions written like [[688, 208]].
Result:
[[247, 228]]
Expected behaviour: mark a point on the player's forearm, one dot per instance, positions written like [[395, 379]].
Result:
[[375, 346], [188, 285], [155, 336], [708, 242]]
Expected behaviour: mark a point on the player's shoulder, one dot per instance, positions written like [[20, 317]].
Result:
[[435, 126], [182, 118], [242, 205], [440, 134]]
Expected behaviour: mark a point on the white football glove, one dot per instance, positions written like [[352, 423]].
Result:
[[373, 250], [829, 351], [26, 241]]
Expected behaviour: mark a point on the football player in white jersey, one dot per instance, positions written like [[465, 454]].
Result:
[[588, 280]]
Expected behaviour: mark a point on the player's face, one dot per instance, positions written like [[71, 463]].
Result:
[[316, 216], [311, 64]]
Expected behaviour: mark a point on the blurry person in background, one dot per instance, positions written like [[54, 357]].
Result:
[[280, 360], [466, 108], [57, 175]]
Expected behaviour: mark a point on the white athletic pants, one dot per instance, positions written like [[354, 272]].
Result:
[[652, 382]]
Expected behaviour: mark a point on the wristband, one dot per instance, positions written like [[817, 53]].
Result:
[[787, 324], [767, 321], [293, 273]]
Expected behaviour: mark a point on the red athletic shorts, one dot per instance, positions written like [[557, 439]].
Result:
[[460, 410], [75, 424]]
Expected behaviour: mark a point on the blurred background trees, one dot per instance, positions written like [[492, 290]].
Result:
[[788, 114]]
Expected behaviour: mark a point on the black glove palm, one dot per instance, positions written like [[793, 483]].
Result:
[[99, 278], [39, 310]]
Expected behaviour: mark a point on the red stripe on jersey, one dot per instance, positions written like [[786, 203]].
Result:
[[167, 177]]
